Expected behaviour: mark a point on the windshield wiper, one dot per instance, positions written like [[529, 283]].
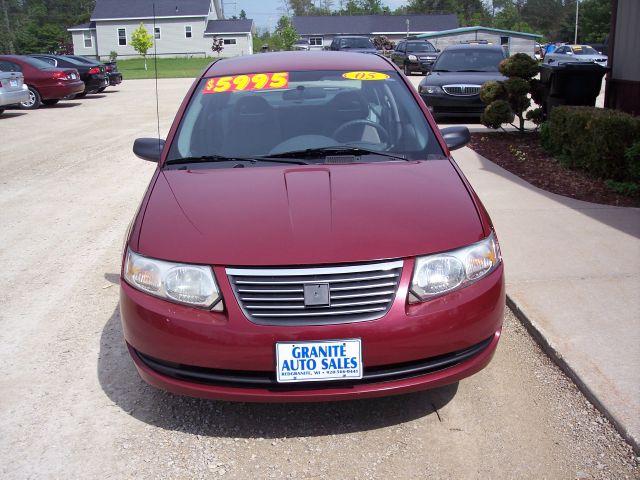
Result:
[[337, 150], [223, 158]]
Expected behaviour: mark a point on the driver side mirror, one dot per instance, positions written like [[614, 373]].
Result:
[[148, 148], [456, 137]]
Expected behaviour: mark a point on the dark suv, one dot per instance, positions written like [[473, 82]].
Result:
[[414, 56], [452, 88], [353, 43]]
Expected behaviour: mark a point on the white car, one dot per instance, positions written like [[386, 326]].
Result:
[[576, 53], [13, 91]]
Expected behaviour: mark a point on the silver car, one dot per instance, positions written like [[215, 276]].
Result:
[[575, 53], [12, 89]]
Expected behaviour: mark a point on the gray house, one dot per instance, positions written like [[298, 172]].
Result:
[[320, 30], [182, 28], [512, 42]]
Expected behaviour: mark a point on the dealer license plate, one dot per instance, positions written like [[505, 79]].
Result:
[[13, 83], [319, 361]]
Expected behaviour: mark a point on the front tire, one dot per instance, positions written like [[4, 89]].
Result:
[[34, 101], [50, 102], [81, 95], [100, 90]]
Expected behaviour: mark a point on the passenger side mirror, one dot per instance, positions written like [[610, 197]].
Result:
[[148, 148], [456, 137]]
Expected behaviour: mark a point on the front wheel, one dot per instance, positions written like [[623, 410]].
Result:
[[34, 100], [50, 102], [100, 90]]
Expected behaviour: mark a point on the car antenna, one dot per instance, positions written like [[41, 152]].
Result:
[[155, 68]]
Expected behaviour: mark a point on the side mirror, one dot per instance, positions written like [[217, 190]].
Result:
[[438, 50], [456, 137], [148, 148]]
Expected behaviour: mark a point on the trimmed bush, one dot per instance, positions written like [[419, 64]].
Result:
[[497, 113], [595, 140]]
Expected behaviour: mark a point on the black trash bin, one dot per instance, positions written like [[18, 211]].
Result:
[[570, 83]]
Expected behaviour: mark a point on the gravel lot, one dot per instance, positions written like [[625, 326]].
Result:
[[72, 405]]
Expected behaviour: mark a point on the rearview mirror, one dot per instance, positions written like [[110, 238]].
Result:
[[148, 148], [456, 137]]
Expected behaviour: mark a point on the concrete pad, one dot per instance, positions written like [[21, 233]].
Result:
[[573, 270]]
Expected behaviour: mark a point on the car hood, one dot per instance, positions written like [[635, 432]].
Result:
[[468, 78], [590, 58], [308, 214]]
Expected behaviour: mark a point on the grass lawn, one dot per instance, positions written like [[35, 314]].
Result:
[[167, 67]]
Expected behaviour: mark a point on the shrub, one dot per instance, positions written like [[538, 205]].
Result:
[[599, 141], [629, 189], [513, 92]]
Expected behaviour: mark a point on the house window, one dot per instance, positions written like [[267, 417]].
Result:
[[229, 41], [187, 31], [88, 42], [315, 41], [122, 36], [156, 33]]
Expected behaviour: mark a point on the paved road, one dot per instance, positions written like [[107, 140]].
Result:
[[72, 405]]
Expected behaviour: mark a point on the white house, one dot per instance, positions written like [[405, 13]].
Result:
[[179, 28]]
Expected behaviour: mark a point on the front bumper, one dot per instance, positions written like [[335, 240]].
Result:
[[225, 356], [423, 66], [450, 105]]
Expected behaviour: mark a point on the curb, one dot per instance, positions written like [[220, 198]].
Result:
[[559, 360]]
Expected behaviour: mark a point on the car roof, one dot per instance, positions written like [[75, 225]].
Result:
[[297, 61], [351, 36], [474, 46]]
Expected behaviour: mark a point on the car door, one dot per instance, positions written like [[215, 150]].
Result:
[[558, 55]]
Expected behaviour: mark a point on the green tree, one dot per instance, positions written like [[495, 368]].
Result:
[[594, 21], [142, 41], [285, 34], [243, 15]]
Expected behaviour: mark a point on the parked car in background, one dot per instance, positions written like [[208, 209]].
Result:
[[414, 56], [352, 43], [452, 88], [346, 256], [93, 76], [46, 84], [575, 53], [13, 91], [111, 69]]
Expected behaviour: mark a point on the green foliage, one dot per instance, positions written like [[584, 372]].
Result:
[[142, 41], [599, 141], [497, 113], [513, 92], [629, 189], [491, 91], [519, 65], [285, 34], [243, 15], [469, 12], [594, 21], [133, 68], [535, 115]]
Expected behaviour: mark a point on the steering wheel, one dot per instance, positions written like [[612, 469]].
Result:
[[384, 134]]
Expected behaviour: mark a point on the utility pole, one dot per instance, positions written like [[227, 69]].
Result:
[[575, 38], [407, 28]]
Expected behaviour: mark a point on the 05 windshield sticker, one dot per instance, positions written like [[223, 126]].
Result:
[[244, 83], [365, 75]]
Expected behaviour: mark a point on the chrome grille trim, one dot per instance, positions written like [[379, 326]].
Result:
[[462, 90], [275, 296]]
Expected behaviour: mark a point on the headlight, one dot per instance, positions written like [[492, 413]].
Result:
[[430, 89], [177, 282], [413, 58], [442, 273]]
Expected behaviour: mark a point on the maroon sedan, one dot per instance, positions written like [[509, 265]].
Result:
[[47, 84], [307, 237]]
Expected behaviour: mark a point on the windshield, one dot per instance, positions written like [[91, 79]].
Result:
[[420, 47], [585, 51], [474, 60], [275, 113], [356, 43]]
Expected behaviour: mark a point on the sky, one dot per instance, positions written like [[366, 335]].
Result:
[[265, 13]]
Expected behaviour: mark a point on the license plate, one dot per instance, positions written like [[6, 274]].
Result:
[[319, 360], [13, 83]]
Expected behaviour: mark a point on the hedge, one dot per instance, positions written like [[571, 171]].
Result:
[[601, 142]]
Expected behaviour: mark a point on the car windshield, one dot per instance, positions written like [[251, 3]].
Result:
[[585, 51], [35, 62], [356, 43], [266, 114], [420, 47], [478, 60]]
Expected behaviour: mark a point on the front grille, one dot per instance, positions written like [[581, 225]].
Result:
[[354, 293], [248, 379], [462, 90]]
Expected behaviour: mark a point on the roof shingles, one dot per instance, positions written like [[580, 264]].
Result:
[[368, 24], [229, 26], [121, 9]]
